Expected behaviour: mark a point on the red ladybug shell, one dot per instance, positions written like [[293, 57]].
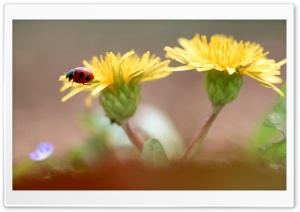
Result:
[[80, 75]]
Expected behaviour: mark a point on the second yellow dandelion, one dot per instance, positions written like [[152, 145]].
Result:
[[225, 61]]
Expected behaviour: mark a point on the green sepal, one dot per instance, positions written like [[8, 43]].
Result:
[[221, 87], [121, 102], [123, 98]]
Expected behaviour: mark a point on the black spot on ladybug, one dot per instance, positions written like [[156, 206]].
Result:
[[81, 74], [88, 78], [78, 80]]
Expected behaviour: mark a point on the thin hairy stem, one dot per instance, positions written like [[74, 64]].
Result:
[[194, 145], [133, 136]]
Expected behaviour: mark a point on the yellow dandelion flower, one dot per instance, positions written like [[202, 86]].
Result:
[[224, 54], [117, 77]]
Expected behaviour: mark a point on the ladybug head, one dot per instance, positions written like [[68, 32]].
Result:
[[70, 74]]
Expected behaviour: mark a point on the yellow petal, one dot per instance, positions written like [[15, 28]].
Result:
[[127, 55], [230, 70], [88, 100], [195, 64], [155, 76], [270, 77], [163, 66], [181, 68], [266, 84], [62, 78], [144, 59], [282, 62], [72, 93], [65, 86], [99, 88], [202, 69]]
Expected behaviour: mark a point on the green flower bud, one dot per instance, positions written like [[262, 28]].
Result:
[[121, 102], [221, 87]]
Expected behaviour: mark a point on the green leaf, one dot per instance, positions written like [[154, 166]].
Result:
[[277, 118], [154, 154], [265, 138], [276, 153]]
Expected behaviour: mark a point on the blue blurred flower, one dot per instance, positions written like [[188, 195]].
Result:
[[42, 151]]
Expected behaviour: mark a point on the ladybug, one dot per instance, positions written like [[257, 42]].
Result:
[[80, 75]]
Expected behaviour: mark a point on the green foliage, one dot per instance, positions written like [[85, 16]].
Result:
[[269, 140], [276, 153], [277, 118], [96, 127], [24, 168], [154, 154]]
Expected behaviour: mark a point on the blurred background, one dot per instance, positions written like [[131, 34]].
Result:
[[44, 50]]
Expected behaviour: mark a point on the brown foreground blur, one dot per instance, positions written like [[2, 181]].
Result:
[[133, 175]]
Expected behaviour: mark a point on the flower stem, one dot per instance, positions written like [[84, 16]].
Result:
[[194, 145], [133, 136]]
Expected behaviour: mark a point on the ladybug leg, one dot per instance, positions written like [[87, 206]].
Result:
[[72, 84]]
